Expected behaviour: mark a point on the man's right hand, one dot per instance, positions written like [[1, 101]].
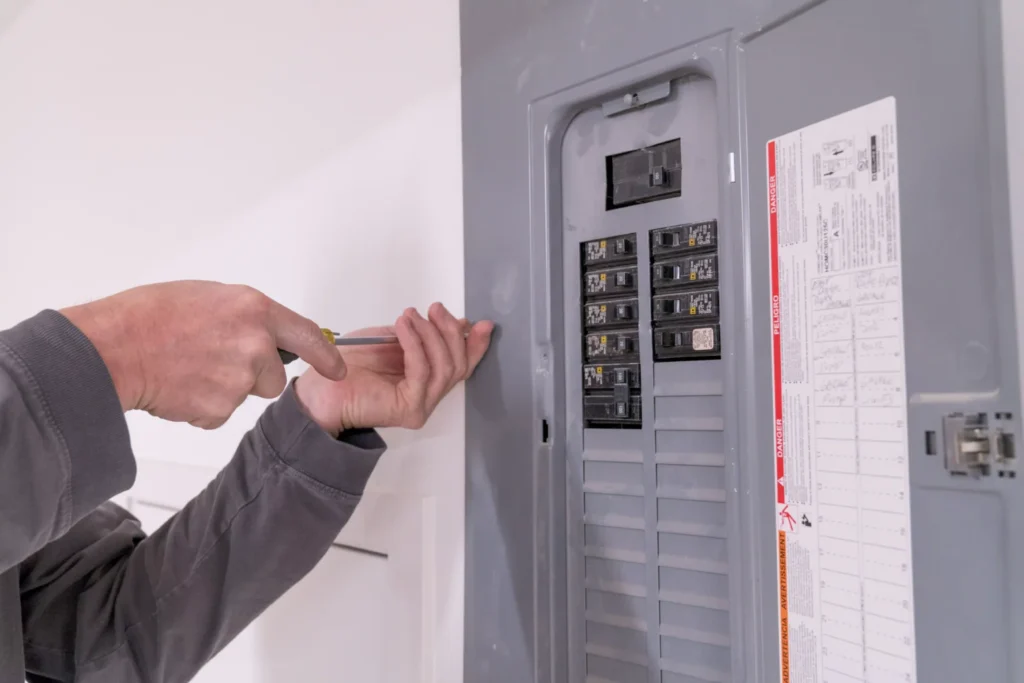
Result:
[[193, 351]]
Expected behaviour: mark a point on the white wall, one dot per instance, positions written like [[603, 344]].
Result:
[[308, 148]]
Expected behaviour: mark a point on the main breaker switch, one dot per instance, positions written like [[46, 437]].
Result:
[[643, 175]]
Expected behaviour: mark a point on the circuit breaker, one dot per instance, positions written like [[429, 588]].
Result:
[[753, 413]]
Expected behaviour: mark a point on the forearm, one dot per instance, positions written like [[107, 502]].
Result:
[[64, 445], [160, 608]]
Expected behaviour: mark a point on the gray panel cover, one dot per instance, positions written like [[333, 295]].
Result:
[[648, 566], [700, 470]]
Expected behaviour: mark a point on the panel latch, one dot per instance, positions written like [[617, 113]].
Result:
[[973, 446]]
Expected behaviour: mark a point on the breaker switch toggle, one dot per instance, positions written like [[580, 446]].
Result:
[[658, 176]]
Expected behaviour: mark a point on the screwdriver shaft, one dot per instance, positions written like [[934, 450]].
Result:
[[368, 341], [288, 357], [364, 341]]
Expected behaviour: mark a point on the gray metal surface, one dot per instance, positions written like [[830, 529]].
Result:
[[648, 532], [532, 72]]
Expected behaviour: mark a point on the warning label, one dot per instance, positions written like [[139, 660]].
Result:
[[846, 599]]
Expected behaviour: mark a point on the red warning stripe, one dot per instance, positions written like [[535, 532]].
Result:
[[780, 489], [773, 227]]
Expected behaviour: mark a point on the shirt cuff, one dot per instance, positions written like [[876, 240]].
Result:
[[343, 464], [65, 373]]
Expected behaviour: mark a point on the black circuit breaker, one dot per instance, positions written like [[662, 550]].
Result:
[[610, 316], [684, 284]]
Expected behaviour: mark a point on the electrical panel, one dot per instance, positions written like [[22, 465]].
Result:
[[752, 414]]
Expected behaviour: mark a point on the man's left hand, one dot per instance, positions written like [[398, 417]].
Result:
[[397, 385]]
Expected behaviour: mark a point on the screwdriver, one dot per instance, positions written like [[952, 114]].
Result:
[[336, 339]]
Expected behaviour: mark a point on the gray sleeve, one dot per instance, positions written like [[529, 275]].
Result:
[[64, 446], [104, 603], [99, 600]]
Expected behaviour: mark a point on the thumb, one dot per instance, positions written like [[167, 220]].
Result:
[[302, 337], [477, 343]]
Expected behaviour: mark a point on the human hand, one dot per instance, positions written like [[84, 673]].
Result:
[[193, 351], [397, 385]]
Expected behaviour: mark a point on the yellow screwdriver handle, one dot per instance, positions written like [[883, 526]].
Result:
[[289, 357]]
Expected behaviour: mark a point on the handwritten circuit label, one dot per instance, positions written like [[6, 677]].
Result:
[[842, 490]]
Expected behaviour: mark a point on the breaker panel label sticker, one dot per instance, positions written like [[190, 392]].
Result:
[[842, 479]]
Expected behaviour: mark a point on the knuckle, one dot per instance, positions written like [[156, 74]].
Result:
[[253, 300], [246, 380], [240, 380], [254, 346]]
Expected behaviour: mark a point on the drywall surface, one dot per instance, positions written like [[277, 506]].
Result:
[[309, 149]]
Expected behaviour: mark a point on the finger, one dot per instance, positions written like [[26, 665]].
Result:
[[271, 379], [302, 337], [417, 367], [386, 331], [441, 367], [381, 358], [477, 343], [452, 331]]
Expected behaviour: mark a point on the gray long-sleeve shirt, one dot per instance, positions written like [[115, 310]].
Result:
[[84, 595]]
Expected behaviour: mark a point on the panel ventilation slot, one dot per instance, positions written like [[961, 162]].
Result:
[[692, 553]]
